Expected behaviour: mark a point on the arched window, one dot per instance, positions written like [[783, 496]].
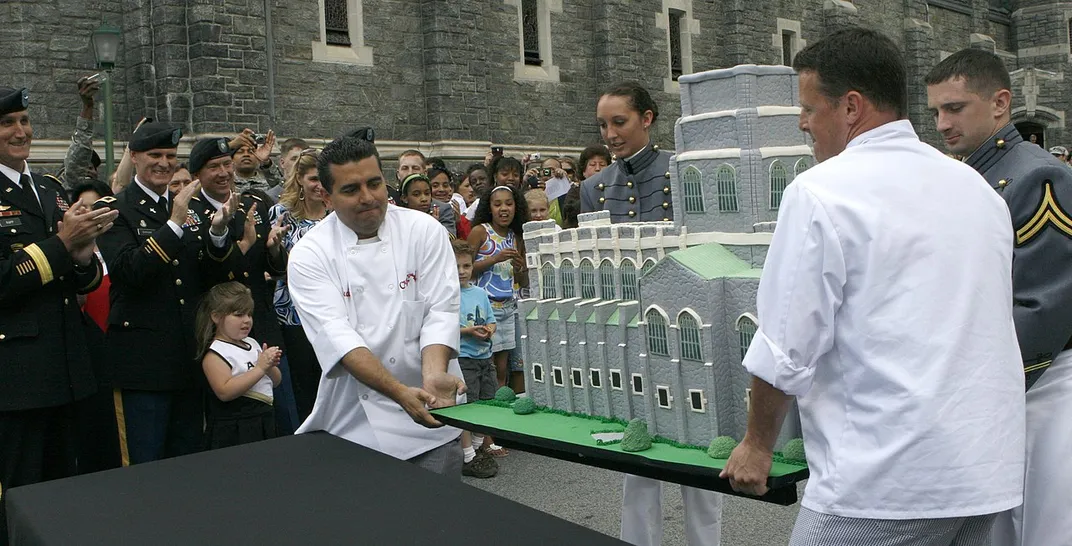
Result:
[[726, 182], [747, 328], [629, 281], [693, 190], [568, 289], [778, 181], [801, 166], [547, 282], [606, 280], [657, 344], [588, 280], [690, 337], [648, 265]]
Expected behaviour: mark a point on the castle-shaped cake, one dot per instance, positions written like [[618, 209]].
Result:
[[651, 320]]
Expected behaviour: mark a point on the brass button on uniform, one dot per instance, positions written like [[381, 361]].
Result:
[[600, 187], [666, 205], [126, 325], [667, 175], [1000, 143], [245, 274], [2, 337], [632, 213], [178, 282], [174, 262], [665, 219], [602, 199], [66, 301], [182, 302], [632, 199], [666, 189], [629, 183], [1002, 183]]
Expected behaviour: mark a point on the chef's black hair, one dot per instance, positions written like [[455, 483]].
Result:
[[862, 60], [343, 150], [639, 98]]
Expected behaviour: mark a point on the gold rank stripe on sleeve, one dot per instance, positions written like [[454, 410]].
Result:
[[1049, 212], [25, 268], [1039, 366], [155, 247], [39, 259]]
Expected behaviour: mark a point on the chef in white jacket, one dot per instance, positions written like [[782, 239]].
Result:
[[885, 308], [376, 287]]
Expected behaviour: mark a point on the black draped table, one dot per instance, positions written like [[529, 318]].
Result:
[[309, 489]]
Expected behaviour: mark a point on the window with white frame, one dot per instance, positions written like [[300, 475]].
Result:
[[630, 290], [556, 376], [537, 372], [616, 379], [697, 402], [606, 280], [547, 282], [649, 264], [726, 182], [801, 166], [342, 34], [747, 330], [577, 375], [692, 182], [675, 16], [662, 396], [689, 330], [534, 39], [595, 378], [657, 344], [638, 383], [676, 20], [566, 270], [588, 279], [786, 40], [778, 182]]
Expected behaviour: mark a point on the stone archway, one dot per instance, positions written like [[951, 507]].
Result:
[[1031, 130], [1047, 124]]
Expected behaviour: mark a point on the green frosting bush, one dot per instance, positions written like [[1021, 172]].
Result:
[[505, 394], [721, 447], [794, 450], [524, 406], [636, 436]]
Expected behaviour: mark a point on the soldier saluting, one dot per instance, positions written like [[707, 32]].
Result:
[[161, 258], [46, 259], [969, 95]]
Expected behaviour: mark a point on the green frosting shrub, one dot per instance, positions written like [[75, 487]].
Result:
[[505, 394], [721, 447], [636, 436], [794, 450], [524, 406]]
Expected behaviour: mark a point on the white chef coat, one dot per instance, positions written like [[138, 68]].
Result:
[[394, 296], [885, 306]]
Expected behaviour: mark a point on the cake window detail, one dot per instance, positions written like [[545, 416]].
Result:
[[663, 396], [778, 181], [692, 181], [588, 280], [577, 376], [726, 182], [556, 375], [537, 372], [657, 344], [801, 166], [616, 379], [629, 281], [547, 282], [638, 384], [689, 329], [697, 402], [747, 330], [606, 280], [568, 290], [595, 379]]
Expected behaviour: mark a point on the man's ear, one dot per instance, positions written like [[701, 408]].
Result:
[[854, 103], [1001, 102]]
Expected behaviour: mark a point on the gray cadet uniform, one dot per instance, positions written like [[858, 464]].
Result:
[[1038, 190], [633, 190]]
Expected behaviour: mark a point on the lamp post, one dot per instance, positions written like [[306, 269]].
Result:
[[106, 50]]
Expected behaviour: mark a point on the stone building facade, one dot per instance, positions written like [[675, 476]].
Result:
[[453, 77]]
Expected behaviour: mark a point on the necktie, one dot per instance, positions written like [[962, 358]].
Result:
[[27, 189]]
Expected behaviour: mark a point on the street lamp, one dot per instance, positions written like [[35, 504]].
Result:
[[106, 50]]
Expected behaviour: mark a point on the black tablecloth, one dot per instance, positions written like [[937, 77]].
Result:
[[298, 490]]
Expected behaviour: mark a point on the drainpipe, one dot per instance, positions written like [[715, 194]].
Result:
[[269, 51]]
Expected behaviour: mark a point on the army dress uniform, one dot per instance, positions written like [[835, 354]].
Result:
[[1038, 190], [44, 360], [636, 189], [158, 278]]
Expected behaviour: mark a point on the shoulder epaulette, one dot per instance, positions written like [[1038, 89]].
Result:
[[196, 198], [252, 195], [106, 199], [54, 179]]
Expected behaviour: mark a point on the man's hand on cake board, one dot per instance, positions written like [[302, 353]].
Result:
[[747, 468]]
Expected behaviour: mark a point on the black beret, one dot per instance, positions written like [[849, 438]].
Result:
[[206, 150], [156, 135], [13, 100], [364, 133]]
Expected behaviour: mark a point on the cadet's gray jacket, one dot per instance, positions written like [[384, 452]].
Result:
[[633, 190], [1038, 190]]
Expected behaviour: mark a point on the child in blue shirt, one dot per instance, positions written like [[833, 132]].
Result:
[[477, 321]]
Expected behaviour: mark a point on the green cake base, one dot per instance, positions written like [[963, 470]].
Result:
[[569, 436]]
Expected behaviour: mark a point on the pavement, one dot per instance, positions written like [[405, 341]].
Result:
[[592, 496]]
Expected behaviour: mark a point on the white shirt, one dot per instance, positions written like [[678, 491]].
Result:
[[885, 307], [16, 176], [393, 296], [242, 359]]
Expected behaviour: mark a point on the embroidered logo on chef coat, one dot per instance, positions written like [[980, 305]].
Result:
[[411, 277]]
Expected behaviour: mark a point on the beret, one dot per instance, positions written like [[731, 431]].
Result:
[[155, 135], [13, 100], [364, 133], [206, 150]]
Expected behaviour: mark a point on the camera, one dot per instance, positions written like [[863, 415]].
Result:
[[546, 172], [259, 139], [532, 181], [496, 151], [535, 157]]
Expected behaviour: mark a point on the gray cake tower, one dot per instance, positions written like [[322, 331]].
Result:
[[652, 320]]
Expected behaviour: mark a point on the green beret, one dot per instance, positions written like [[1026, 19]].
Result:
[[13, 100], [155, 135], [206, 150]]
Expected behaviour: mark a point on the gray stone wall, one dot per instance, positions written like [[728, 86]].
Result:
[[444, 70]]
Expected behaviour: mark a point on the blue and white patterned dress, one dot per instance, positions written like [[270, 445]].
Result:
[[284, 307]]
